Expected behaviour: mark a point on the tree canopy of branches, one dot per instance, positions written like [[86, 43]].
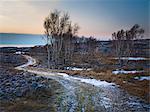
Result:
[[123, 41], [59, 31]]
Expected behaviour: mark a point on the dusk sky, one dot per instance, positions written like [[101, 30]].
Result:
[[98, 18]]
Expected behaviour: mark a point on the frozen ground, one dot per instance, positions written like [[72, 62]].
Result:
[[142, 78], [126, 71], [76, 68], [132, 58], [84, 94]]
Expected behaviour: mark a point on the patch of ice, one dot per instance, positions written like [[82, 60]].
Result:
[[88, 81], [74, 68], [19, 52], [78, 69], [132, 58], [92, 81], [125, 71], [96, 82], [63, 74], [142, 78], [42, 73], [31, 61]]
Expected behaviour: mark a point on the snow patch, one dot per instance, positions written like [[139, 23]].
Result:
[[91, 81], [96, 82], [31, 61], [126, 72], [142, 78], [19, 52], [132, 58], [63, 74], [84, 80], [78, 69]]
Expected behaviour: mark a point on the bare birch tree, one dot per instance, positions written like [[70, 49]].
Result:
[[59, 32], [123, 41]]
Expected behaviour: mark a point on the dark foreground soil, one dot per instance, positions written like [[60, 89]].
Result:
[[21, 91]]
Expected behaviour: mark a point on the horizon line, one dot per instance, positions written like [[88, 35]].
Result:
[[98, 38]]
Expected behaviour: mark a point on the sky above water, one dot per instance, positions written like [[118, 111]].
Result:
[[98, 18]]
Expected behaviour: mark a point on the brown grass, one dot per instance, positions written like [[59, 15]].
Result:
[[125, 81]]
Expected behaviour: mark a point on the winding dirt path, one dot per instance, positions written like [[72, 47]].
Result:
[[87, 95]]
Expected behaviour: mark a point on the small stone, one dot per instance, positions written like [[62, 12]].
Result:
[[1, 93], [41, 87], [7, 84], [34, 85], [17, 99], [17, 84], [25, 102], [18, 93], [124, 82]]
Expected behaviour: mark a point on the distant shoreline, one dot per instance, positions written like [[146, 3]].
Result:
[[21, 33], [13, 45]]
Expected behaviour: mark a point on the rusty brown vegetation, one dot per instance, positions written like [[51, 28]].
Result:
[[125, 81]]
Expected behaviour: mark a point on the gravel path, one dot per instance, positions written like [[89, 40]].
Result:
[[83, 94]]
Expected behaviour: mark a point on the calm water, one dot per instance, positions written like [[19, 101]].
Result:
[[11, 39]]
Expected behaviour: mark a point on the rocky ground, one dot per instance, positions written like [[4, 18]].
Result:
[[21, 91], [11, 60]]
